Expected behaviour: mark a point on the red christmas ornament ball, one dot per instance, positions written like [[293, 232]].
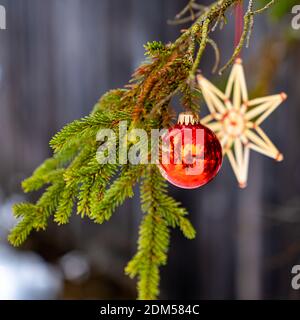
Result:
[[191, 154]]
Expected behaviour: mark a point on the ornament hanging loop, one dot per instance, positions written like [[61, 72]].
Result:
[[239, 23]]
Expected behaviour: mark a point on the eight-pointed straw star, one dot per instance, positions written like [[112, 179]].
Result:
[[236, 120]]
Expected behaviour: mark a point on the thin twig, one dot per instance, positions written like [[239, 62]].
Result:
[[251, 25], [266, 7], [185, 10], [218, 19], [248, 26], [202, 47], [247, 22], [199, 6], [184, 20], [190, 7], [217, 54], [212, 12]]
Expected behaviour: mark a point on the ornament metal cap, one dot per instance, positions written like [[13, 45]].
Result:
[[187, 118]]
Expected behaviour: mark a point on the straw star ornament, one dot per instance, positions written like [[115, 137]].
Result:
[[236, 120]]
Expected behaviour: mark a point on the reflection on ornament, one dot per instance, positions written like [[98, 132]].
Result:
[[191, 153], [236, 120]]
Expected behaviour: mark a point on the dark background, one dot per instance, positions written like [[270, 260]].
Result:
[[57, 57]]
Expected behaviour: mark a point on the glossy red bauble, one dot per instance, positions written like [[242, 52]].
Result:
[[191, 154]]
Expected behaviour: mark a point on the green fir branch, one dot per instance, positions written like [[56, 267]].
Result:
[[74, 177], [121, 189], [35, 217], [86, 128], [161, 212]]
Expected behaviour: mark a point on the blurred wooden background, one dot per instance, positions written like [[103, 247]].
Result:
[[58, 57]]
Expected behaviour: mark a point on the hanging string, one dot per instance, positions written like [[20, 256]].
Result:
[[239, 23]]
